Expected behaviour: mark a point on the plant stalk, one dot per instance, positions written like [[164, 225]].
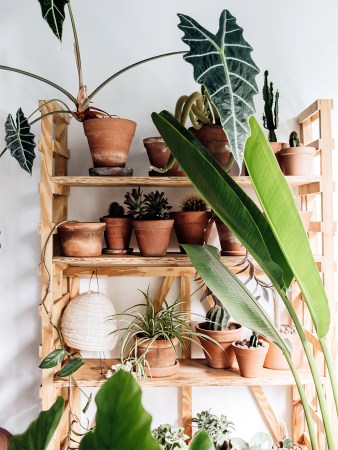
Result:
[[76, 47], [331, 370]]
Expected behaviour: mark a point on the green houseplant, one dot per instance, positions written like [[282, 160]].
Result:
[[170, 437], [118, 230], [298, 159], [218, 428]]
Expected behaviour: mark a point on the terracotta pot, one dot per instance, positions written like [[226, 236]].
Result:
[[306, 219], [275, 358], [109, 140], [190, 226], [160, 355], [153, 236], [82, 239], [250, 360], [276, 148], [298, 160], [118, 232], [230, 245], [5, 439], [219, 356], [214, 140], [158, 154]]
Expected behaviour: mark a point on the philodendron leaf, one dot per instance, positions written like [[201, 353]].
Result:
[[121, 421], [20, 141], [72, 366], [40, 432], [223, 64], [201, 441], [53, 11], [53, 359]]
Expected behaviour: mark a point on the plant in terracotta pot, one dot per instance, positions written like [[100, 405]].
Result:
[[230, 245], [81, 239], [219, 428], [250, 355], [118, 230], [298, 159], [151, 222], [170, 437], [159, 154], [191, 222]]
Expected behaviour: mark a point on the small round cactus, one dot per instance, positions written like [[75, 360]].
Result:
[[217, 318], [193, 203], [116, 210], [294, 139]]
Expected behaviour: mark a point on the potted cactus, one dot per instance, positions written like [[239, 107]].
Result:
[[250, 355], [298, 159], [191, 222], [218, 428], [118, 230], [170, 437], [151, 222]]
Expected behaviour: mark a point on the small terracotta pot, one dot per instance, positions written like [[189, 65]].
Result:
[[230, 245], [298, 160], [82, 239], [158, 154], [152, 236], [250, 360], [219, 356], [306, 219], [276, 148], [118, 232], [159, 355], [109, 140], [5, 439], [275, 358], [190, 226], [214, 140]]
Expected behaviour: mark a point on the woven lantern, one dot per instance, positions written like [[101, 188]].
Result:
[[85, 324]]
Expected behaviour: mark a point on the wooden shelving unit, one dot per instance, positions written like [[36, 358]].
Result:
[[60, 276]]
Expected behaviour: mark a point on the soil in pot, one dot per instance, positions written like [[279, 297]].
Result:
[[158, 154], [109, 140], [298, 161], [190, 226], [118, 232], [230, 245], [214, 140], [82, 239], [250, 359], [220, 356], [161, 356], [152, 236]]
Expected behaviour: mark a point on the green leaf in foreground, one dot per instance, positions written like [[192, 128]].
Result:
[[201, 441], [53, 11], [53, 359], [72, 366]]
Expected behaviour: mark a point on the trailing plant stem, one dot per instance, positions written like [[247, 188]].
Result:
[[77, 47], [331, 370]]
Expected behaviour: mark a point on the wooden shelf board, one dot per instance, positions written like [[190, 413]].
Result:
[[192, 372], [86, 181]]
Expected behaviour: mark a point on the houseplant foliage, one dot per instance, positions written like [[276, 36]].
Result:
[[218, 428], [170, 437]]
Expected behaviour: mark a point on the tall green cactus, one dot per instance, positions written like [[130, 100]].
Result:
[[271, 108]]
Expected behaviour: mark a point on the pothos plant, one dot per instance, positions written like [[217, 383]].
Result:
[[20, 141]]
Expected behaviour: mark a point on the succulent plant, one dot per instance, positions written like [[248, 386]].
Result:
[[135, 203], [170, 437], [217, 318], [194, 203], [253, 342], [218, 427], [271, 108], [294, 139], [152, 206], [116, 210], [259, 440]]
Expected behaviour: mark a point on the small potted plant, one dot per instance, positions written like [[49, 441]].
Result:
[[159, 154], [298, 159], [250, 355], [118, 230], [81, 239], [218, 428], [151, 221], [191, 222], [170, 437]]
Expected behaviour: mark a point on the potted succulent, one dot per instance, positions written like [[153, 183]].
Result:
[[218, 428], [191, 222], [81, 239], [298, 159], [259, 440], [170, 437], [250, 355], [151, 222], [118, 230]]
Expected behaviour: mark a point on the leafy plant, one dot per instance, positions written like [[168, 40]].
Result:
[[170, 437], [194, 203], [258, 441], [152, 206], [271, 108], [219, 428], [294, 139]]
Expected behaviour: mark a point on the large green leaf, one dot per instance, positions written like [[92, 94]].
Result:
[[280, 209], [226, 198], [201, 441], [40, 432], [223, 64], [121, 421], [53, 11], [20, 141]]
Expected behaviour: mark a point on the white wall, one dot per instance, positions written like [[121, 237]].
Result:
[[296, 41]]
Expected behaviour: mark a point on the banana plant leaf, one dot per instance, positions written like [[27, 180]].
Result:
[[40, 432], [231, 204], [281, 212], [20, 141], [223, 64], [53, 11]]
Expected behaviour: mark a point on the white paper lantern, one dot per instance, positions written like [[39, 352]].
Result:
[[85, 324]]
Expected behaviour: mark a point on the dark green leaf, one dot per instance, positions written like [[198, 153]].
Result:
[[121, 421], [53, 359], [223, 64], [53, 11], [20, 140], [201, 441], [72, 366], [40, 432]]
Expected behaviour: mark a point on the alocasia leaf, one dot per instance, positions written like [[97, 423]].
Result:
[[53, 11], [223, 64], [20, 141]]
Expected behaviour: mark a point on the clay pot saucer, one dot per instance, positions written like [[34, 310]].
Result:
[[159, 372], [110, 172], [126, 251]]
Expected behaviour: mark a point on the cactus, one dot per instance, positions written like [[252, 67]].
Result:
[[116, 210], [271, 108], [193, 203], [152, 206], [217, 318], [294, 139], [253, 340]]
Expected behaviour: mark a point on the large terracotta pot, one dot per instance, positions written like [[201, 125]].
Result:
[[152, 236], [250, 360], [109, 140], [190, 226], [158, 154], [160, 356], [275, 358], [219, 356], [298, 160], [82, 239], [118, 232], [230, 245], [214, 140]]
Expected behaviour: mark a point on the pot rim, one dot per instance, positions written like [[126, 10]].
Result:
[[256, 349], [198, 325], [82, 226], [299, 150]]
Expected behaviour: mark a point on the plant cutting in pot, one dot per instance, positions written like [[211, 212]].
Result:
[[151, 222], [118, 230], [218, 428], [250, 355], [298, 159], [170, 437]]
